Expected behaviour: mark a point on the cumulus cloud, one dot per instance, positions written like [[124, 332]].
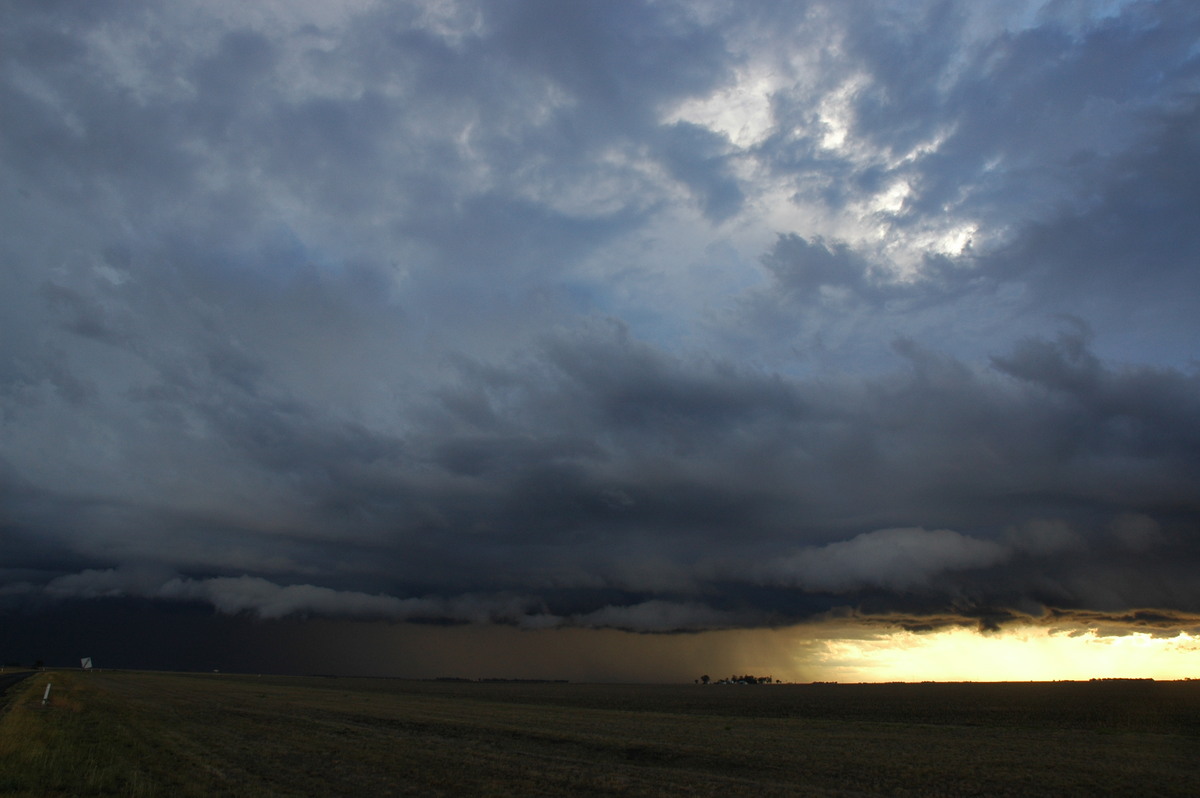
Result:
[[892, 559], [649, 316], [268, 600], [265, 599], [110, 582]]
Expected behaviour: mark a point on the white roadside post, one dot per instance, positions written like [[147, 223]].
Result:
[[46, 695]]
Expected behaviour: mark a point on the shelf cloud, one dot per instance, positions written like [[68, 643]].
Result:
[[659, 317]]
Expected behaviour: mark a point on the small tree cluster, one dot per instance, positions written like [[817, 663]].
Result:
[[746, 679]]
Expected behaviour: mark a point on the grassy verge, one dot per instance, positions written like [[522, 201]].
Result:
[[79, 742]]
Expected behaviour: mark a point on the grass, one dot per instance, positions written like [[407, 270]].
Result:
[[153, 734]]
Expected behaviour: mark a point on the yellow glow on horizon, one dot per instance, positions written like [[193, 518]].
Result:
[[1029, 653]]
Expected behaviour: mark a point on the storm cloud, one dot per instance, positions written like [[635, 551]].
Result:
[[660, 317]]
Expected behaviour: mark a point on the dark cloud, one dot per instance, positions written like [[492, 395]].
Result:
[[696, 156], [612, 467], [594, 315]]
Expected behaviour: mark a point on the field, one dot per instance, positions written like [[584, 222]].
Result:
[[156, 734]]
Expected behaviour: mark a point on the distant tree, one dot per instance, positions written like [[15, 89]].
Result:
[[704, 679]]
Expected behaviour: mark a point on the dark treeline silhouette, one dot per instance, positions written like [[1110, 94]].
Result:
[[747, 679]]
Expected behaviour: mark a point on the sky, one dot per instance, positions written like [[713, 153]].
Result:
[[605, 340]]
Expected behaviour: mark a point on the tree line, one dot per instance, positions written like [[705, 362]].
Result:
[[746, 679]]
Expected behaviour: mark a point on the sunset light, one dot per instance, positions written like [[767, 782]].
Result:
[[1020, 654]]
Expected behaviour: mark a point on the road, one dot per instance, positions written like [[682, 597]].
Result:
[[7, 680]]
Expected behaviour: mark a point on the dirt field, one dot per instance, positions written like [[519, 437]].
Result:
[[173, 734]]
